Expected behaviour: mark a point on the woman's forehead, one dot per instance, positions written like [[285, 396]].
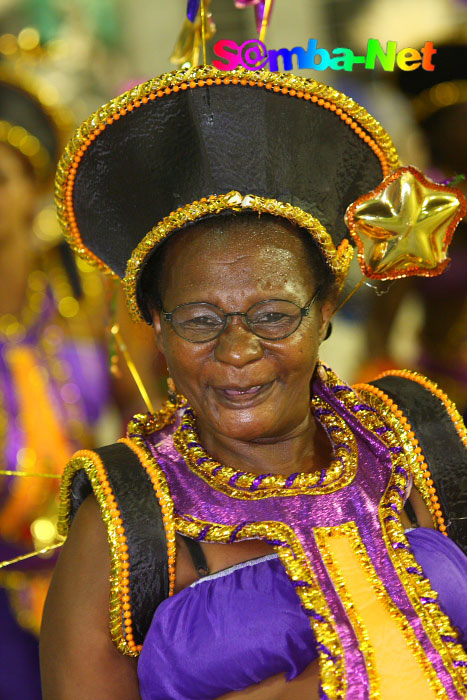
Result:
[[239, 240]]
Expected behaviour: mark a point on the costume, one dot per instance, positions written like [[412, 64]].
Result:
[[312, 154], [54, 385]]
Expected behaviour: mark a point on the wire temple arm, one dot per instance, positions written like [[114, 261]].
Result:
[[44, 550]]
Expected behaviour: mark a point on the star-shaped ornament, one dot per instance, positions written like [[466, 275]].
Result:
[[404, 226]]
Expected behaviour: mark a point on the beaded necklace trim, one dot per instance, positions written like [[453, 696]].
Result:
[[356, 117], [251, 486], [120, 602]]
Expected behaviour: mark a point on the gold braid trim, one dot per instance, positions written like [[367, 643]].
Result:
[[356, 117], [161, 489], [418, 588], [415, 460], [350, 530], [120, 607], [338, 259], [295, 562]]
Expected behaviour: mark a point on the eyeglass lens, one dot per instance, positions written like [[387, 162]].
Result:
[[273, 319]]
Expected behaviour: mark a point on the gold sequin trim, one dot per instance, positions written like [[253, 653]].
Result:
[[415, 460], [120, 604], [356, 117], [250, 486], [161, 489], [338, 259], [295, 562], [291, 554], [349, 530], [450, 406], [424, 600]]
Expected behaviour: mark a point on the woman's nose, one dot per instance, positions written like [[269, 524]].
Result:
[[237, 345]]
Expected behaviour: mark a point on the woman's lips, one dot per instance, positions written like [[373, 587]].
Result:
[[243, 396]]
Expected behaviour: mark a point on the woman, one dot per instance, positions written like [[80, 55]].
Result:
[[295, 513], [53, 379]]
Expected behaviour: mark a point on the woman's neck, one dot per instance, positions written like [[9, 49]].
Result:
[[306, 448]]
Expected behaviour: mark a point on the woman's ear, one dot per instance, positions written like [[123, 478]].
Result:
[[327, 312], [157, 326]]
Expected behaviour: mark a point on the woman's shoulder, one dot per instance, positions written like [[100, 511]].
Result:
[[432, 428], [134, 515]]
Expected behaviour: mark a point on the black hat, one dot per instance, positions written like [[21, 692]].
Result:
[[198, 142], [31, 120]]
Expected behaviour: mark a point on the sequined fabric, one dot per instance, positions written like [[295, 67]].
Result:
[[297, 526]]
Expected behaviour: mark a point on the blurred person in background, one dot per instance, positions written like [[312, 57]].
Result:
[[439, 102], [54, 378]]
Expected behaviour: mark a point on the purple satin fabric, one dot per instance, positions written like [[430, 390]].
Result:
[[246, 624]]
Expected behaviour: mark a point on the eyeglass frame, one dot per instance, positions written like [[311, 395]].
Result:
[[304, 311]]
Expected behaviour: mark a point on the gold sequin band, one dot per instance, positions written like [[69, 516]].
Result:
[[450, 406], [424, 600], [249, 486], [356, 117], [338, 259], [120, 603], [321, 534], [164, 498], [416, 461], [290, 552]]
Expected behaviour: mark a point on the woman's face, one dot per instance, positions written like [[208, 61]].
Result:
[[242, 386]]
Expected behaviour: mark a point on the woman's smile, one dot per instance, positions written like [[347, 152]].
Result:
[[246, 396]]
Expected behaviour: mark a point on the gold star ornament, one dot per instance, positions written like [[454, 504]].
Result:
[[405, 225]]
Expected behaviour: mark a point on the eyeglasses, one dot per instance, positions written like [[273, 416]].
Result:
[[272, 319]]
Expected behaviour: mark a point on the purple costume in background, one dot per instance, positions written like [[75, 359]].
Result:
[[241, 626], [75, 387]]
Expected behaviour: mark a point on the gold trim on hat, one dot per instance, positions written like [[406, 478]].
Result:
[[356, 117], [338, 259]]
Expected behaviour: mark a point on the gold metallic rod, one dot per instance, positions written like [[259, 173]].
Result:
[[44, 550], [265, 20], [115, 330], [203, 31], [355, 289], [8, 472]]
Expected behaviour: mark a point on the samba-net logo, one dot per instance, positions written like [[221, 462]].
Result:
[[253, 54]]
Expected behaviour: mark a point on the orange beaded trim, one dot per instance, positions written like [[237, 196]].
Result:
[[163, 496], [450, 406], [352, 212], [120, 604], [422, 466], [357, 118]]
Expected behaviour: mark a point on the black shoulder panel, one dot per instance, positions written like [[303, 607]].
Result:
[[441, 445], [144, 529]]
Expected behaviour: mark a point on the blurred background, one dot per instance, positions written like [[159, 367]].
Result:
[[63, 383]]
